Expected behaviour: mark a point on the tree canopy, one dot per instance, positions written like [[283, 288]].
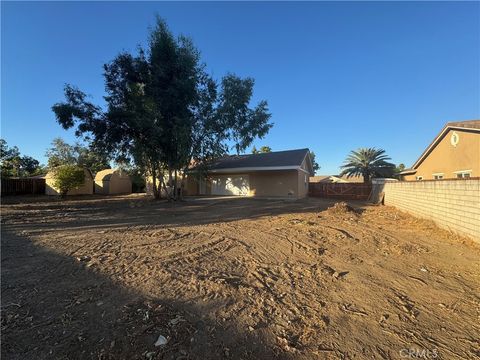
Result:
[[62, 153], [163, 109], [13, 164], [315, 165], [68, 177], [369, 163], [263, 149]]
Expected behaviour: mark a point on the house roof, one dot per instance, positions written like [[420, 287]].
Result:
[[350, 179], [275, 160], [106, 175], [337, 178], [408, 171], [320, 178], [86, 171], [467, 125]]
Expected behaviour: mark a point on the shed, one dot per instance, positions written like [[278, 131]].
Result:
[[85, 189], [112, 181]]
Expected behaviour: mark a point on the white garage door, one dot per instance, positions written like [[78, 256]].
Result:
[[230, 185]]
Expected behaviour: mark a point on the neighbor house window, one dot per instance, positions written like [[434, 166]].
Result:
[[419, 177], [463, 174], [438, 176]]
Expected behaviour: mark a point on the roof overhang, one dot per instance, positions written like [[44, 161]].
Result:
[[253, 169], [407, 172], [310, 164]]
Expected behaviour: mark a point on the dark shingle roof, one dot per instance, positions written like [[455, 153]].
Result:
[[271, 159], [467, 124]]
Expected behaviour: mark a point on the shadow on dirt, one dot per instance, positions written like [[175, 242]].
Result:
[[55, 307], [122, 212]]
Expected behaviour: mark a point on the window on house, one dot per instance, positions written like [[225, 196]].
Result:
[[438, 176], [463, 174], [419, 177]]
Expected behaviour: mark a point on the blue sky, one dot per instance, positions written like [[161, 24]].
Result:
[[337, 76]]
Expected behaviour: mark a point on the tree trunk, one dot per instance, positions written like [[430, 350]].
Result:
[[366, 178], [182, 183], [175, 191], [156, 193], [169, 196]]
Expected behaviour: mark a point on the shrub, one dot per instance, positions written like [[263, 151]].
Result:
[[68, 177]]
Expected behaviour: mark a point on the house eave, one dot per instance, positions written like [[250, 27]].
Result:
[[408, 172], [252, 169]]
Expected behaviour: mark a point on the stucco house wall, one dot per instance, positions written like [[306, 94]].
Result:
[[274, 184], [149, 184], [282, 184], [112, 181], [447, 159]]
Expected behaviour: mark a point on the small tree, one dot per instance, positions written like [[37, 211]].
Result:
[[68, 177], [315, 165]]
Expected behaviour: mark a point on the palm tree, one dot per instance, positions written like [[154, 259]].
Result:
[[368, 162]]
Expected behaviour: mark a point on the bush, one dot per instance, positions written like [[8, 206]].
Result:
[[68, 177]]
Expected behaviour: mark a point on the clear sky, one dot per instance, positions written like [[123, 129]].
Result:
[[337, 76]]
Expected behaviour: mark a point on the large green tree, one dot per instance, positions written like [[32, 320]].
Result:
[[13, 164], [164, 111], [369, 163]]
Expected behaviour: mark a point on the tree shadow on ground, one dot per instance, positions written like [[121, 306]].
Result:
[[122, 212], [55, 307]]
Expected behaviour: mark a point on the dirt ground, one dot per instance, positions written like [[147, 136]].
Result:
[[103, 278]]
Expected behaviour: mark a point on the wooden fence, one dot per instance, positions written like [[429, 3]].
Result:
[[346, 191], [23, 186]]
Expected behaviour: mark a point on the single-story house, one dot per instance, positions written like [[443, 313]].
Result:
[[283, 174], [336, 179], [112, 181], [453, 153], [85, 189]]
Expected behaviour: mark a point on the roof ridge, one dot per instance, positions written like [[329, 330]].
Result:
[[270, 152]]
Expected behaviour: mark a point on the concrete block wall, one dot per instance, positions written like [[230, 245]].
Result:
[[451, 204]]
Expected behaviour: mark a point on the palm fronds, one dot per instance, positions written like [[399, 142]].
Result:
[[367, 162]]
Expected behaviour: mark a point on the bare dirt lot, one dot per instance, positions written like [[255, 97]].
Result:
[[99, 278]]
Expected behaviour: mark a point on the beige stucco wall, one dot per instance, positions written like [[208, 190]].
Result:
[[303, 180], [191, 185], [85, 189], [111, 181], [452, 204], [274, 183], [302, 184], [285, 184], [446, 158], [149, 184]]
